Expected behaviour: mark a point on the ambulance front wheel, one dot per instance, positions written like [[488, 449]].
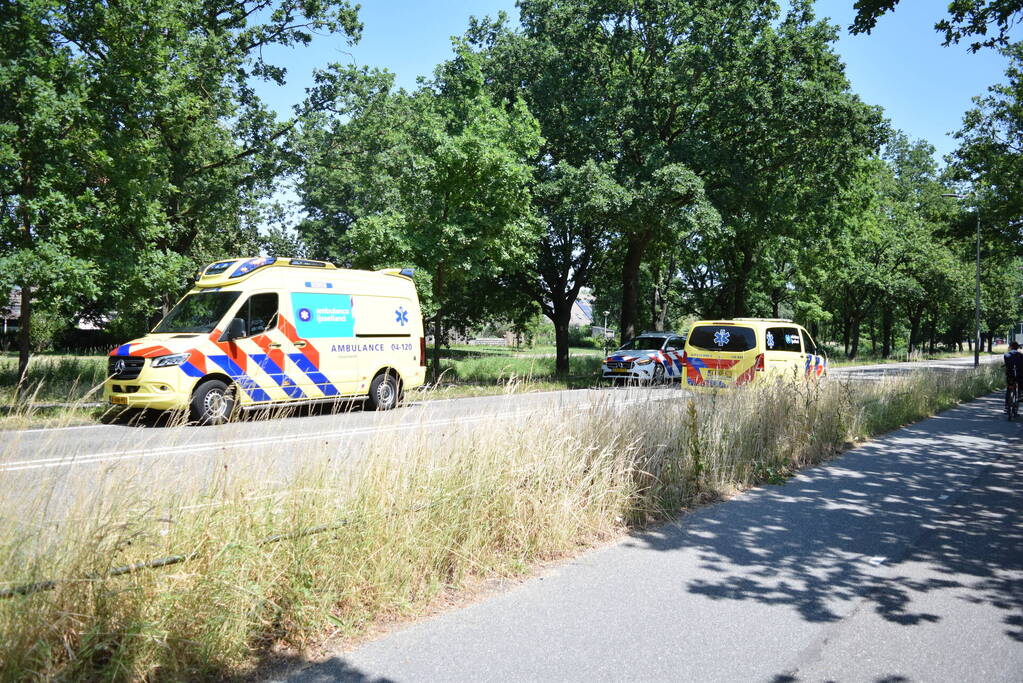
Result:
[[212, 403], [384, 392]]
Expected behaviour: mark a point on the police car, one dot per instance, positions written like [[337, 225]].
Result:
[[650, 357]]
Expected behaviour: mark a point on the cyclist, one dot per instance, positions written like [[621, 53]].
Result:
[[1013, 377]]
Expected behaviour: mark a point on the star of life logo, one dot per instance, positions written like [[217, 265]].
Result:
[[721, 337], [770, 340], [401, 316], [304, 315]]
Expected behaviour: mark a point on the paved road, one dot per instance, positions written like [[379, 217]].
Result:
[[44, 472], [900, 561]]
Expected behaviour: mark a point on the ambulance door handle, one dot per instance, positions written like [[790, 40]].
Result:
[[300, 343], [275, 346]]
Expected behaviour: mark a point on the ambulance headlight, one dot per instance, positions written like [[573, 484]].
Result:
[[645, 361], [170, 361]]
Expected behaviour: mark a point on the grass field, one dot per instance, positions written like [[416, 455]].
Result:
[[420, 518]]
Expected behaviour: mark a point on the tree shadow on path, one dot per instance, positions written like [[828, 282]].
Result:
[[834, 536]]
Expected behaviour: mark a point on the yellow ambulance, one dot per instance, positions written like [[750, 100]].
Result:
[[265, 331], [734, 352]]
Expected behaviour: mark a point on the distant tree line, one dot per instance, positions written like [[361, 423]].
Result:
[[697, 158]]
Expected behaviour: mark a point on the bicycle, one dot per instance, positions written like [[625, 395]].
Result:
[[1011, 401]]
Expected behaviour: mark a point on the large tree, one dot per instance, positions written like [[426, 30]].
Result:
[[988, 21], [436, 179], [681, 103], [133, 144], [990, 154]]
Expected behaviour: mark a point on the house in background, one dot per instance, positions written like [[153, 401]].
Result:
[[10, 312], [582, 310], [584, 315]]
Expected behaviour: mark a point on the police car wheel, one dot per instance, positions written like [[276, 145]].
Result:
[[212, 403], [658, 374], [383, 392]]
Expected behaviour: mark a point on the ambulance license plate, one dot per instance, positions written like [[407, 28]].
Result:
[[119, 400], [718, 375], [622, 370]]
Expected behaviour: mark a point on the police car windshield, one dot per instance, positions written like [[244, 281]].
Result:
[[643, 344], [199, 313]]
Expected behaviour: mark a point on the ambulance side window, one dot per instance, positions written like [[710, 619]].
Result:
[[259, 313], [782, 339]]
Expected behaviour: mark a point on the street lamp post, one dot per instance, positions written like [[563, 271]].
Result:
[[976, 297], [604, 331]]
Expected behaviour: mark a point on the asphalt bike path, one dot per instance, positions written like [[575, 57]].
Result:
[[901, 560]]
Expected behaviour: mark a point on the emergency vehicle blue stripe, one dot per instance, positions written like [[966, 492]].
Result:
[[191, 370], [321, 382], [244, 381], [277, 374], [698, 364]]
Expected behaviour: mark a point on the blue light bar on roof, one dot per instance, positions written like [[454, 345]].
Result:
[[408, 272], [248, 266], [218, 268]]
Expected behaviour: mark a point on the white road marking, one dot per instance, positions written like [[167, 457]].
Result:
[[52, 429]]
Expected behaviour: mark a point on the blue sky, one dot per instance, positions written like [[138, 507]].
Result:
[[924, 88]]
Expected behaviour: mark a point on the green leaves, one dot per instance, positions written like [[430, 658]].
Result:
[[436, 179]]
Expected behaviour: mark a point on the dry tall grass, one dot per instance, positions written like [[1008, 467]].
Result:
[[416, 516]]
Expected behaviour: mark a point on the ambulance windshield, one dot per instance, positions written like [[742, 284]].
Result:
[[197, 313]]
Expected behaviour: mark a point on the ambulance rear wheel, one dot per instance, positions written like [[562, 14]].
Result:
[[212, 403], [383, 392]]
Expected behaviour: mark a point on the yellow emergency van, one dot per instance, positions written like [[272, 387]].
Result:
[[734, 352], [264, 331]]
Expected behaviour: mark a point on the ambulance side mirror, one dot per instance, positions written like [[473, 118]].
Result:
[[235, 329]]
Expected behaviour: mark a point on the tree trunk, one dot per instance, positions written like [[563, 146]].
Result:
[[914, 331], [845, 334], [24, 338], [563, 315], [855, 339], [739, 285], [886, 332], [661, 314], [630, 285], [990, 340], [438, 330], [438, 320], [873, 335]]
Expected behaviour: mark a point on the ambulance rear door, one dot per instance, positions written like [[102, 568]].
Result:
[[388, 330]]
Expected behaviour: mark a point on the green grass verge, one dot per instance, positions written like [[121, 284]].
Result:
[[419, 516], [839, 359]]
